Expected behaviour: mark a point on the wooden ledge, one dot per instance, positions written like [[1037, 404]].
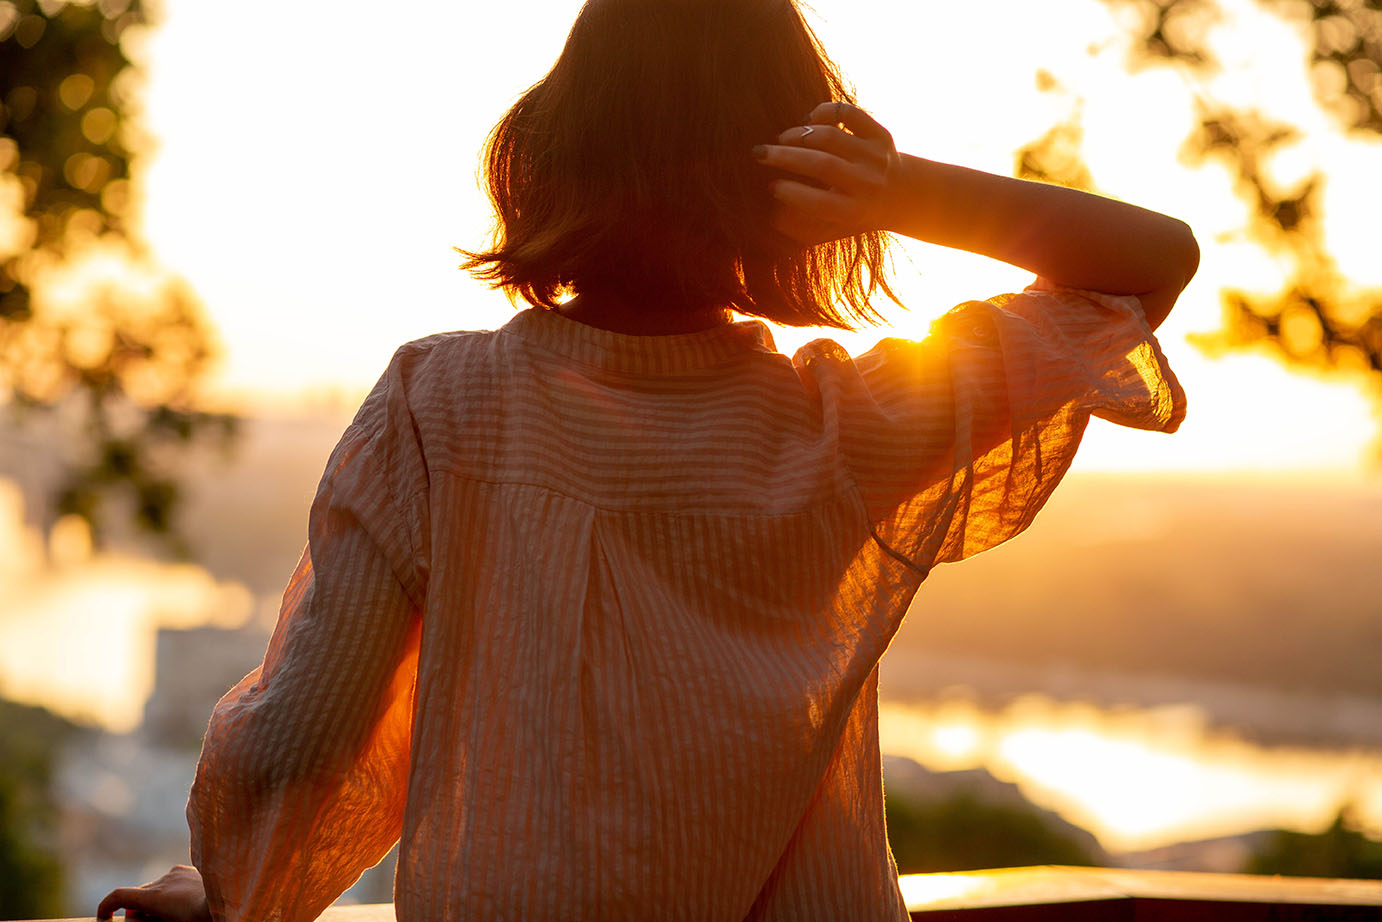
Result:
[[1073, 894], [1068, 894]]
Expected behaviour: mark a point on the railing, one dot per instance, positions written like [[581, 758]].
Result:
[[1116, 895], [1064, 894]]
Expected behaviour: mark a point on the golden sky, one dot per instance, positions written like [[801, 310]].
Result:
[[313, 169]]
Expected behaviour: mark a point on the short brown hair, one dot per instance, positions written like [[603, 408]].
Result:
[[628, 167]]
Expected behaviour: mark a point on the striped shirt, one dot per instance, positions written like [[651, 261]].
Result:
[[591, 621]]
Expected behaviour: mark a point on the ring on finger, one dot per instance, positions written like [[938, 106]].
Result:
[[807, 130]]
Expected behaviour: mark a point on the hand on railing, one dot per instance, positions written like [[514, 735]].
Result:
[[177, 896]]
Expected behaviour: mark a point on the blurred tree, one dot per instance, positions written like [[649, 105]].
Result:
[[1055, 157], [964, 831], [1321, 319], [1340, 851], [127, 355], [30, 874]]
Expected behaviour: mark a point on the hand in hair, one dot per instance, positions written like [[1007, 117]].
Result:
[[853, 180], [847, 162]]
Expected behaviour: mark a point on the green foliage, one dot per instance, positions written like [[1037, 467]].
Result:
[[30, 874], [1055, 158], [62, 119], [1340, 851], [128, 361], [963, 832], [1320, 319], [1345, 47]]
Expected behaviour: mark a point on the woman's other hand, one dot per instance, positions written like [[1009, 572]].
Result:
[[847, 163], [177, 896]]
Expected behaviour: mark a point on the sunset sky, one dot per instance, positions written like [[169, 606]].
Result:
[[313, 169]]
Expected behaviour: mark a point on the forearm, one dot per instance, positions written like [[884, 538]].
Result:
[[1071, 238], [302, 778]]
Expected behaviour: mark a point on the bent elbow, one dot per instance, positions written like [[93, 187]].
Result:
[[1188, 253], [1180, 262]]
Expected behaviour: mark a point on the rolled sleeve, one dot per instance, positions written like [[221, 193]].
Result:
[[957, 441]]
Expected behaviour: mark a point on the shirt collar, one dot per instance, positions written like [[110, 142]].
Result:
[[676, 352]]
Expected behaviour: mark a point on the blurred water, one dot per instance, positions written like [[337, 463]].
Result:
[[1140, 779], [1147, 703]]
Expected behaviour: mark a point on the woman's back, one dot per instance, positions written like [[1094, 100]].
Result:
[[649, 605], [640, 632], [639, 588]]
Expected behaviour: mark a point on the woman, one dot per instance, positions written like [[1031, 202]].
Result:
[[592, 606]]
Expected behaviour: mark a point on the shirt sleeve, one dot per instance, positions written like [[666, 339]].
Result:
[[957, 441], [303, 774]]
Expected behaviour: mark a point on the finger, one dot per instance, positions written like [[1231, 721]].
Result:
[[823, 167], [126, 898], [805, 229], [834, 141], [819, 208], [800, 226], [852, 117]]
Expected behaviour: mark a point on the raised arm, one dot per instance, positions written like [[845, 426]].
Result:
[[1070, 238]]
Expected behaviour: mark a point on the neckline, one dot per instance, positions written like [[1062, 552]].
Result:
[[644, 354]]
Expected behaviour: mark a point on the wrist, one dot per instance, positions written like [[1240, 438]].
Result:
[[912, 201]]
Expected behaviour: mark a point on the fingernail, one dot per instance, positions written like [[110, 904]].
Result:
[[760, 152]]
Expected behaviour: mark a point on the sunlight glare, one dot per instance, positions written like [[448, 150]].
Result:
[[959, 742], [69, 542], [920, 891], [1352, 204], [102, 608], [1139, 779]]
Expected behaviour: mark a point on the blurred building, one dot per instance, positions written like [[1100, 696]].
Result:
[[194, 668], [122, 797]]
